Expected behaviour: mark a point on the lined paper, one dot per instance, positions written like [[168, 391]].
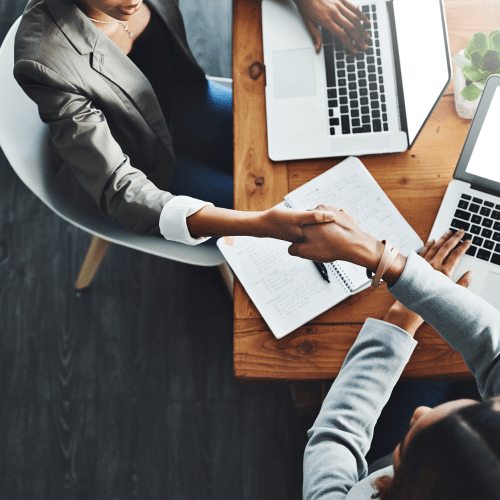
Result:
[[287, 291]]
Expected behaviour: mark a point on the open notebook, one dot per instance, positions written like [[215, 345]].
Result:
[[289, 291]]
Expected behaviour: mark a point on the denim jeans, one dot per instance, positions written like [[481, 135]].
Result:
[[202, 133], [202, 136]]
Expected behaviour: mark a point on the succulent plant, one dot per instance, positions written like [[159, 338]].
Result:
[[480, 60]]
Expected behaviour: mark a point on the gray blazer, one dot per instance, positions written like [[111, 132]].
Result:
[[105, 120]]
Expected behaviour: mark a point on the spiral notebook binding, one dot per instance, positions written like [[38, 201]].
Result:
[[343, 276]]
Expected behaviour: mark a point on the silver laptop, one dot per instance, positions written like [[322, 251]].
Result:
[[472, 200], [336, 103]]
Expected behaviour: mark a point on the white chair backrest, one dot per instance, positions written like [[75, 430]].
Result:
[[24, 139]]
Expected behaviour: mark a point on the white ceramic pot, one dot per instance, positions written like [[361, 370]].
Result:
[[465, 109]]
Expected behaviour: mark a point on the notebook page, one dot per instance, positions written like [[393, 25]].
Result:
[[356, 275], [287, 291], [350, 186]]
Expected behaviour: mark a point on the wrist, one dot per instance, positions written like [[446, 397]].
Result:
[[260, 224], [370, 253], [407, 320], [215, 221]]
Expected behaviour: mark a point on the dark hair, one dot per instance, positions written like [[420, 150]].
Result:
[[458, 457]]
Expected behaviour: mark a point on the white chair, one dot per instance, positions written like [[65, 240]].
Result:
[[24, 141]]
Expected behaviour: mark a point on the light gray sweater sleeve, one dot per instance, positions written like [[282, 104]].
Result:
[[467, 322], [341, 435], [334, 458]]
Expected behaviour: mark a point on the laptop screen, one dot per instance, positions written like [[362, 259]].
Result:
[[422, 41], [485, 160], [479, 162]]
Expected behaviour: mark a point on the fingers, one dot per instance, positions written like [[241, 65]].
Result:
[[455, 257], [314, 32], [353, 26], [448, 245], [426, 248], [340, 17], [447, 252], [356, 11], [337, 27], [351, 31], [352, 220], [323, 207], [436, 246], [466, 279], [294, 249], [316, 217]]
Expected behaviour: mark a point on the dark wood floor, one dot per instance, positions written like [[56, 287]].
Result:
[[126, 390]]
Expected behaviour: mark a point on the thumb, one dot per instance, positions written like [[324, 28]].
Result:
[[314, 32], [294, 249], [466, 279], [316, 217]]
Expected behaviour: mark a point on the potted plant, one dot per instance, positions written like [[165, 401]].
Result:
[[479, 60]]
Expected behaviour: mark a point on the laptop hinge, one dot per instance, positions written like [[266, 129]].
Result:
[[484, 189], [397, 68]]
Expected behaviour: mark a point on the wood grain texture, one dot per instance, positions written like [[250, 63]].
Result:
[[317, 351], [126, 390], [414, 180], [260, 182], [283, 446]]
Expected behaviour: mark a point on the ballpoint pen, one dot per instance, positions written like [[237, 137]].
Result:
[[322, 270]]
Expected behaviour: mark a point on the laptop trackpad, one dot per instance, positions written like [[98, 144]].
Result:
[[294, 73], [491, 290]]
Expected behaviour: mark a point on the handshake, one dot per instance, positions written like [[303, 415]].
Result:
[[330, 234], [324, 234]]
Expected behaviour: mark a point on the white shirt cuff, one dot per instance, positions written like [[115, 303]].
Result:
[[173, 217]]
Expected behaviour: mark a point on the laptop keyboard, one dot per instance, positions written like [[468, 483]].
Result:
[[481, 221], [355, 93]]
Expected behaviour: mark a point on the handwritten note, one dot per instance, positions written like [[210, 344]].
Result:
[[286, 290]]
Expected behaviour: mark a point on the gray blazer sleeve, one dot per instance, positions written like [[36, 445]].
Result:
[[467, 322], [334, 458], [82, 137]]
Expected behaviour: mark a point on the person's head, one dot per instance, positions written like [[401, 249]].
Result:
[[121, 10], [450, 452]]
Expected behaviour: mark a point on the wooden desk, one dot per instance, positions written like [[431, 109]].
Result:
[[415, 181]]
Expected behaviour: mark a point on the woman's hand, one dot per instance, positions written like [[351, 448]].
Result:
[[443, 255], [280, 223], [340, 17], [341, 240], [286, 224]]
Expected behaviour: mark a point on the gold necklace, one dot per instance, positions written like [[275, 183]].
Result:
[[125, 26]]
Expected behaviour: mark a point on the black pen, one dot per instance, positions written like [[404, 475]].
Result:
[[322, 270]]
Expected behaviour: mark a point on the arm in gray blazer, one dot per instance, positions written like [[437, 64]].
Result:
[[83, 139], [339, 439]]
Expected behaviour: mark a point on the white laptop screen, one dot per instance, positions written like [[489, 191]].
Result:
[[484, 161], [424, 58]]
